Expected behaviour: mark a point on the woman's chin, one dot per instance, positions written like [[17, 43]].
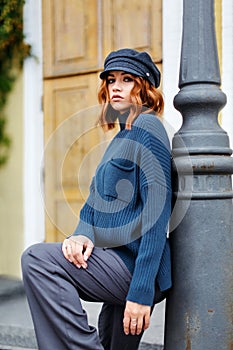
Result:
[[120, 107]]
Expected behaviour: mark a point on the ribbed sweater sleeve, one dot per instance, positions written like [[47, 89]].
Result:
[[152, 243], [85, 226]]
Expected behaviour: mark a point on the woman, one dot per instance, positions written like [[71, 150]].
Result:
[[119, 253]]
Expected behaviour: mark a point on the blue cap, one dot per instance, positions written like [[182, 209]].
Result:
[[134, 62]]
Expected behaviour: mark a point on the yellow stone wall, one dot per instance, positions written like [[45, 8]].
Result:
[[218, 22], [11, 188]]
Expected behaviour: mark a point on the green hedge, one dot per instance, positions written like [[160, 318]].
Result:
[[13, 51]]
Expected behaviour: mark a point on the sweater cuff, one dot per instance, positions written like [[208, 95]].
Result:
[[141, 297], [85, 229]]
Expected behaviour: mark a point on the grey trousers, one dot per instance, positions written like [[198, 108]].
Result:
[[54, 287]]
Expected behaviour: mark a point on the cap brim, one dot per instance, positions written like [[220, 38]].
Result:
[[123, 69]]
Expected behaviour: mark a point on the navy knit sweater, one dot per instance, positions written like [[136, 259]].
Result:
[[129, 205]]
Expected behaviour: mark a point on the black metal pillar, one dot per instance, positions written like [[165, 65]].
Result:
[[199, 309]]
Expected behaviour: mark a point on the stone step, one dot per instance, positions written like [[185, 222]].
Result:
[[12, 337], [10, 287], [16, 328], [4, 347], [143, 346], [17, 338]]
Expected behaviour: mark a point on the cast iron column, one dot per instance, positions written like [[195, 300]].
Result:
[[199, 308]]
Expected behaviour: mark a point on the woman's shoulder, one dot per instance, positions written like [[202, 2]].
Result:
[[147, 121], [152, 125]]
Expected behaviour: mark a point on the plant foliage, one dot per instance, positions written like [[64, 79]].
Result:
[[13, 51]]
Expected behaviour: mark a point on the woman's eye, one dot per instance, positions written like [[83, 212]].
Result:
[[128, 79], [110, 81]]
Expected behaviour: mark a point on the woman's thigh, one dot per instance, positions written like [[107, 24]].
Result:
[[106, 279]]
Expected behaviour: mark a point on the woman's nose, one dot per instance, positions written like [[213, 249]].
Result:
[[116, 86]]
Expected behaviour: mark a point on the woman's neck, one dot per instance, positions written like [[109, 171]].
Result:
[[122, 119]]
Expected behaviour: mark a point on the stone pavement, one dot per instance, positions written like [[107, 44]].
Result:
[[16, 328]]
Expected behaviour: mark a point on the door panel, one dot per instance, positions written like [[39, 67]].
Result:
[[70, 36], [136, 25]]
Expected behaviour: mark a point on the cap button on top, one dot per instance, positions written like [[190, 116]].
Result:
[[148, 74]]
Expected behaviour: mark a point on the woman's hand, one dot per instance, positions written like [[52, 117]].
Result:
[[77, 249], [136, 318]]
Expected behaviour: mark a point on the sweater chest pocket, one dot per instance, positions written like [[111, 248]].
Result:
[[119, 179]]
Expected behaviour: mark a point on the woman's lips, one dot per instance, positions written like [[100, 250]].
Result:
[[116, 98]]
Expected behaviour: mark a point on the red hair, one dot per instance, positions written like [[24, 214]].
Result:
[[145, 99]]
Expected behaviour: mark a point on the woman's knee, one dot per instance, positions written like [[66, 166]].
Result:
[[40, 256], [28, 258]]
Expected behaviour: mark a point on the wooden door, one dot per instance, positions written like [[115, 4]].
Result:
[[70, 136], [77, 35]]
